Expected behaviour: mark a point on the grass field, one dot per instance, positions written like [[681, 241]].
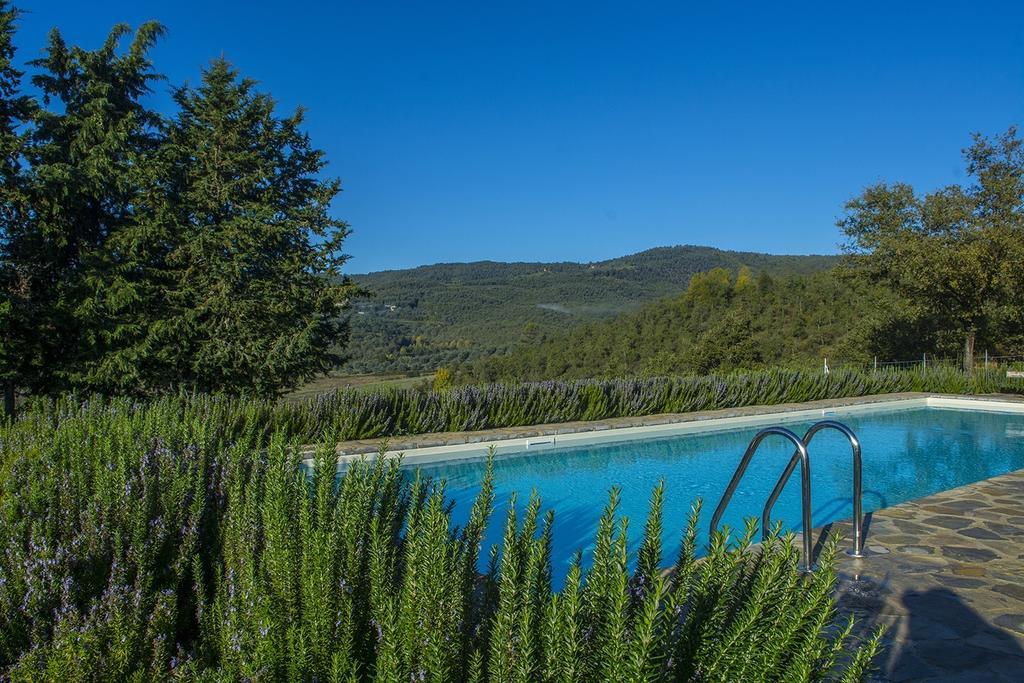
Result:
[[340, 381]]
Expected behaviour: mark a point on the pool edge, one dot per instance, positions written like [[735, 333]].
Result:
[[431, 448]]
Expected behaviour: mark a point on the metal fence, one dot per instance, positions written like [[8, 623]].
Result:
[[926, 361]]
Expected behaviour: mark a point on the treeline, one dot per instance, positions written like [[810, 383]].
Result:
[[142, 251], [737, 320], [444, 315], [940, 273], [723, 321]]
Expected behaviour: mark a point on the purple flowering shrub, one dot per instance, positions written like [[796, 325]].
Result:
[[183, 540], [364, 414]]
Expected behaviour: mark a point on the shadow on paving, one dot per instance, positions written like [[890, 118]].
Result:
[[944, 575], [943, 639]]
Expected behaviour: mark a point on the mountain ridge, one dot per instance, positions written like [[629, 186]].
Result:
[[444, 314], [643, 252]]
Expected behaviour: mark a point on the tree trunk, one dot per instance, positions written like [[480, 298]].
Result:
[[969, 352], [9, 399]]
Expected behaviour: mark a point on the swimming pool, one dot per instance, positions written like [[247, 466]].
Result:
[[909, 451]]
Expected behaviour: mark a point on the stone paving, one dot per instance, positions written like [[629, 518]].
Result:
[[946, 574]]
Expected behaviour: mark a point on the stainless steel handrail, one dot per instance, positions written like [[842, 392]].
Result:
[[805, 479], [858, 536]]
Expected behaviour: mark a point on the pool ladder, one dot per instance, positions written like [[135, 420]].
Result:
[[800, 457]]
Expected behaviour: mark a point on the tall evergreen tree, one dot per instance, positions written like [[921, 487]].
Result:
[[15, 110], [241, 246], [91, 158]]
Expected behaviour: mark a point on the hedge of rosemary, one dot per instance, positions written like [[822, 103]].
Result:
[[362, 414], [158, 544]]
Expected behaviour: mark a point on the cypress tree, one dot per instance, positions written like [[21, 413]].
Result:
[[247, 256], [91, 158], [15, 110]]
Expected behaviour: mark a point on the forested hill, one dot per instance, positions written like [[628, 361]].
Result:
[[447, 314], [724, 320]]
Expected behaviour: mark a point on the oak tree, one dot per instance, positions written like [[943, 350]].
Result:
[[954, 253]]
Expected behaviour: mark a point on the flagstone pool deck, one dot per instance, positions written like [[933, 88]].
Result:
[[945, 573]]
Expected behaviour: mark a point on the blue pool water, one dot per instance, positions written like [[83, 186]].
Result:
[[907, 454]]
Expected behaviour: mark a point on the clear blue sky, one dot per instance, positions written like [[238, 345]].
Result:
[[582, 131]]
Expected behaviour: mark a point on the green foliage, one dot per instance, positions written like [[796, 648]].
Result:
[[955, 254], [15, 110], [89, 157], [242, 259], [366, 414], [933, 274], [451, 314], [442, 380], [141, 254], [725, 322], [232, 562]]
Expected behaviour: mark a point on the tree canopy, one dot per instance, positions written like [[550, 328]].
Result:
[[145, 252], [251, 256], [725, 320], [15, 110], [451, 314], [89, 156], [955, 254]]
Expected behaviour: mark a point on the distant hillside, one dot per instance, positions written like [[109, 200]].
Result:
[[723, 321], [447, 314]]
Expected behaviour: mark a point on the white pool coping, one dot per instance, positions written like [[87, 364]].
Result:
[[533, 444]]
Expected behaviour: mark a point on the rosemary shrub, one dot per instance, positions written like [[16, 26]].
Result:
[[373, 414], [179, 541]]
